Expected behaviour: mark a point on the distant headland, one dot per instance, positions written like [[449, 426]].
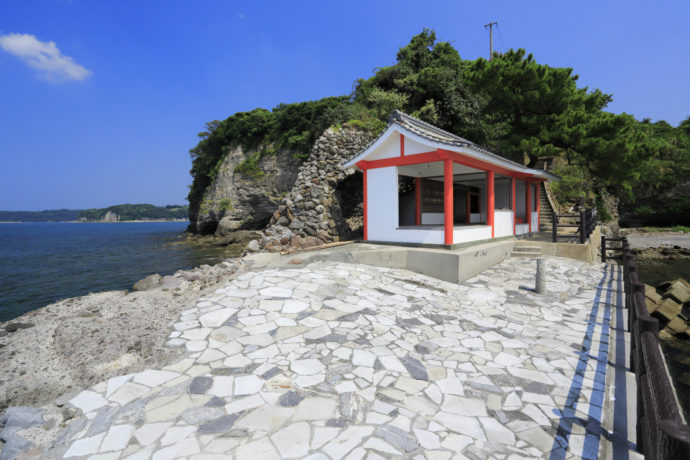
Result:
[[117, 213]]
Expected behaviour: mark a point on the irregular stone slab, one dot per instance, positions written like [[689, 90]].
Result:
[[200, 385], [290, 399], [415, 368], [219, 425], [397, 437]]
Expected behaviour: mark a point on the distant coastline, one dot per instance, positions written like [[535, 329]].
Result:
[[117, 213], [141, 221]]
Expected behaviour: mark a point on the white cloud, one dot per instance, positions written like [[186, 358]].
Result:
[[44, 56]]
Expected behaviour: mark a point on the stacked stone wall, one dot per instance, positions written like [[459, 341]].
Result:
[[311, 214]]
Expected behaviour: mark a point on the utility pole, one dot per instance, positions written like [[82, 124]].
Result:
[[490, 26]]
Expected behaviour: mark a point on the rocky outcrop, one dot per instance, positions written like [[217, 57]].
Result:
[[237, 201], [110, 216], [324, 205], [670, 304]]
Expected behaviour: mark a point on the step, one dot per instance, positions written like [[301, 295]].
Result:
[[526, 251]]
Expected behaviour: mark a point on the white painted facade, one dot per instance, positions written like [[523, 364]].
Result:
[[390, 217]]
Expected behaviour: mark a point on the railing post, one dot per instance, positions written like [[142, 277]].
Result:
[[554, 224], [603, 248], [583, 226]]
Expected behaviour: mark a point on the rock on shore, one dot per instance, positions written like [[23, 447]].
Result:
[[74, 343]]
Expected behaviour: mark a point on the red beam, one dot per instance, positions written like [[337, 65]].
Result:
[[513, 180], [417, 158], [418, 201], [402, 145], [528, 208], [538, 205], [448, 201], [481, 164], [366, 217], [491, 204]]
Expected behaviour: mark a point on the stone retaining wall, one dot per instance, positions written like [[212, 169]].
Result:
[[312, 214]]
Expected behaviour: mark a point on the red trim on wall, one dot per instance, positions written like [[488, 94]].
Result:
[[528, 208], [418, 201], [467, 205], [513, 180], [538, 205], [402, 145], [490, 206], [366, 215], [448, 201]]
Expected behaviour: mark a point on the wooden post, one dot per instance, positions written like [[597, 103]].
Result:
[[418, 201], [512, 180], [528, 207], [603, 248], [402, 145], [491, 201], [583, 226], [554, 226], [448, 201]]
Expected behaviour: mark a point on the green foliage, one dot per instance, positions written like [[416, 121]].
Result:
[[225, 205], [250, 166], [137, 212], [57, 215], [511, 104]]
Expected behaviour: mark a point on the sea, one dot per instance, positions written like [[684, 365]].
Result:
[[41, 263]]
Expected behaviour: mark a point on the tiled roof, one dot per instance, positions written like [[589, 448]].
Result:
[[432, 133]]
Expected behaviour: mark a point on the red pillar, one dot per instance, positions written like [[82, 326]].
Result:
[[467, 206], [538, 204], [366, 217], [528, 207], [512, 182], [448, 201], [490, 205], [418, 201]]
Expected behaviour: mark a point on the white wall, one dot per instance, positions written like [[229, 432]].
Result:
[[535, 222], [503, 223], [382, 203], [521, 229], [474, 233], [432, 218]]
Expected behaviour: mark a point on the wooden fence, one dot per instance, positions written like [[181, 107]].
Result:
[[661, 432], [585, 223]]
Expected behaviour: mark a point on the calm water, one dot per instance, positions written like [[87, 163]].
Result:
[[41, 263]]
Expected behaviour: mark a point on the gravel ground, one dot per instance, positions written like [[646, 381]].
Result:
[[655, 240]]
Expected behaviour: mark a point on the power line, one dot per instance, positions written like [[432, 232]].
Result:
[[490, 26]]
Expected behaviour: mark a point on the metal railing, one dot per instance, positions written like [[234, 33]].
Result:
[[585, 224], [661, 432]]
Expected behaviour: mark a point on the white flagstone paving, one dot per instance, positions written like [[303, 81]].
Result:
[[338, 360]]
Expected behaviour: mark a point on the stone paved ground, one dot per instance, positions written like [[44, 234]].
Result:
[[351, 361]]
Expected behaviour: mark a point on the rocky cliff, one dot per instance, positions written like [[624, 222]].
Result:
[[237, 201]]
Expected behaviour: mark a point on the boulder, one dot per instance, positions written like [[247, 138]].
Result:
[[667, 310], [254, 246], [148, 283], [228, 225], [170, 282]]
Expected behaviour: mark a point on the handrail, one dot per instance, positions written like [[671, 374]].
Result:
[[587, 222], [661, 432]]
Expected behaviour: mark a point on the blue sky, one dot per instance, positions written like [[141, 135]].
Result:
[[106, 114]]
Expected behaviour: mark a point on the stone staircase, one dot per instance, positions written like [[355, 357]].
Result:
[[524, 249], [545, 207]]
